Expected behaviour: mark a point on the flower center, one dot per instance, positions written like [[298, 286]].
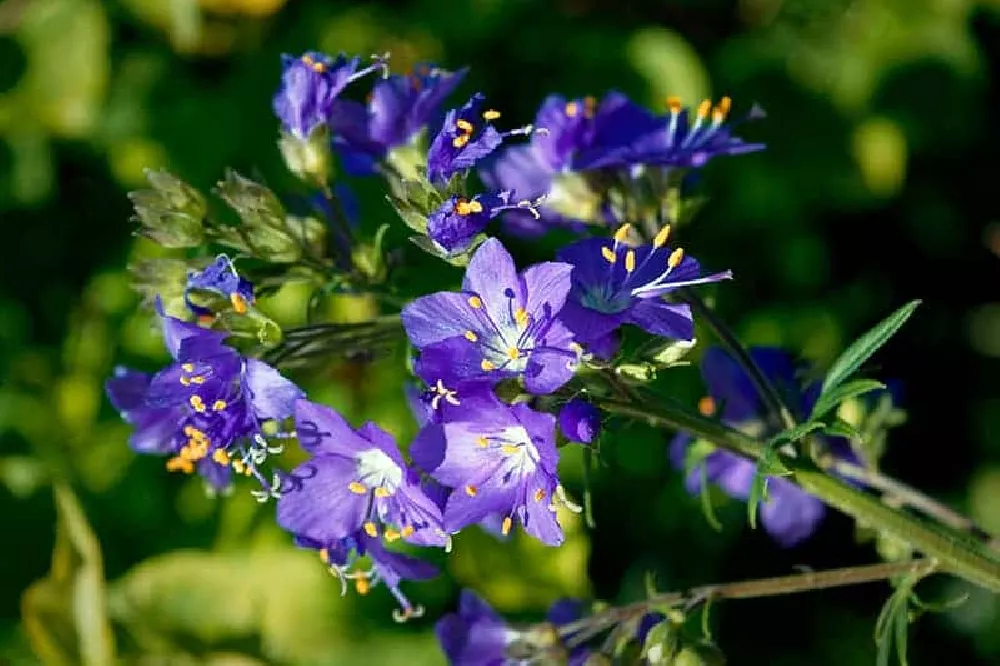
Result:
[[377, 470]]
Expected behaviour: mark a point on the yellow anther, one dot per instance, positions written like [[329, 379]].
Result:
[[475, 207], [509, 449], [589, 104], [471, 491], [187, 367], [622, 232], [471, 337], [706, 406], [475, 302], [608, 254], [725, 104], [487, 365], [197, 379], [247, 471], [539, 494], [179, 464], [676, 257], [521, 317], [239, 303], [704, 109], [382, 493], [491, 114], [463, 125], [370, 529], [190, 430], [219, 405], [307, 59], [505, 526], [661, 237], [362, 586], [220, 456], [513, 353], [674, 104], [357, 488], [630, 261], [324, 555], [572, 109], [482, 442], [460, 141], [407, 531], [391, 535], [318, 67], [239, 467], [185, 381], [197, 403]]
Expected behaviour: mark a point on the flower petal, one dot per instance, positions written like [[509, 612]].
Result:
[[322, 430], [439, 316], [271, 395], [669, 320], [491, 274], [320, 505], [547, 283]]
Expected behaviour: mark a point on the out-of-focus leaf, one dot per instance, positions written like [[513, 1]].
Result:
[[831, 399], [22, 475], [669, 63], [65, 614]]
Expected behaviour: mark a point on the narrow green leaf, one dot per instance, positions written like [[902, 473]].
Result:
[[841, 428], [768, 465], [794, 434], [831, 399], [863, 348], [694, 461]]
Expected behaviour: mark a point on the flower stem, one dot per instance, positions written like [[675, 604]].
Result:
[[955, 552], [772, 399], [749, 589]]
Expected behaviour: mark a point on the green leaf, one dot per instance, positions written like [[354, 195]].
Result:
[[863, 348], [768, 465], [893, 622], [693, 460], [831, 399], [841, 428], [794, 434]]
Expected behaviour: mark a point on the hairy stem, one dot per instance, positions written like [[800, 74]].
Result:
[[956, 552], [748, 589]]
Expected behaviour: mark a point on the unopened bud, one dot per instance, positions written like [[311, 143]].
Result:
[[636, 373], [309, 159], [171, 212]]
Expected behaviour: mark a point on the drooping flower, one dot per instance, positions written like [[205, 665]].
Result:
[[497, 461], [206, 409], [637, 137], [502, 324], [220, 277], [400, 107], [615, 284], [309, 86], [580, 421], [476, 635], [466, 137], [387, 567], [790, 514], [459, 220], [355, 480]]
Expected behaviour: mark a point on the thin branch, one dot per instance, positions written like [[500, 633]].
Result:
[[772, 399]]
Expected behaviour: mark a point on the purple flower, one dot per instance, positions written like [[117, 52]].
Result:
[[502, 324], [387, 567], [206, 409], [790, 514], [309, 86], [632, 136], [476, 635], [400, 106], [221, 278], [615, 284], [580, 421], [355, 480], [497, 461], [457, 222], [466, 137]]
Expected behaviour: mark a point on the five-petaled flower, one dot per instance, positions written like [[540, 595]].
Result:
[[400, 107], [502, 324], [354, 481], [309, 86], [456, 223], [789, 514], [615, 283], [466, 137], [220, 277], [206, 409], [499, 460]]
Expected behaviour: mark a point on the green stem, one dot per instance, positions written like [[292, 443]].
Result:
[[772, 399], [955, 552]]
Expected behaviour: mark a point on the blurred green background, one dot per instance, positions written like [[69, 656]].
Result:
[[879, 185]]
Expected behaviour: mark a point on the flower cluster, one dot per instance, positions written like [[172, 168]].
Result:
[[506, 363]]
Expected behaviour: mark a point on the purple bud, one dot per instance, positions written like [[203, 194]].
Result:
[[580, 421]]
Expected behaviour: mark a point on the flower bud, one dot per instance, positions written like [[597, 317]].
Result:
[[171, 213], [310, 158], [580, 421], [636, 373]]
